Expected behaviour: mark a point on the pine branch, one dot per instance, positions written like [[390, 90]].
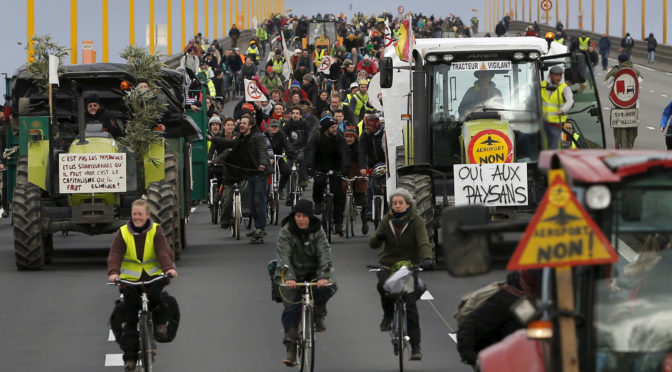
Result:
[[38, 69], [143, 64]]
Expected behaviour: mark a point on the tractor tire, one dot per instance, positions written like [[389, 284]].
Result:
[[172, 168], [162, 200], [420, 187], [29, 249], [399, 157]]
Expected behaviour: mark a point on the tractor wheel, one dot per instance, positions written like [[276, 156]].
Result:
[[29, 249], [420, 187], [173, 178], [161, 199], [400, 157]]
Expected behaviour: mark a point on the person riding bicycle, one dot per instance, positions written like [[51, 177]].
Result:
[[280, 145], [404, 235], [372, 153], [297, 130], [359, 187], [303, 253], [139, 252], [327, 151]]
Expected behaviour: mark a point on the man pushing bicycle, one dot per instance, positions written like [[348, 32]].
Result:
[[140, 252]]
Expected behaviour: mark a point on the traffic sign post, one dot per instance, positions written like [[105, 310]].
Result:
[[624, 118], [400, 9], [546, 5]]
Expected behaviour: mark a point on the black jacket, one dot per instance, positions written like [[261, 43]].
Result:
[[297, 133], [279, 143], [109, 123], [234, 33], [345, 80], [371, 149], [234, 62], [249, 152], [325, 153], [249, 71]]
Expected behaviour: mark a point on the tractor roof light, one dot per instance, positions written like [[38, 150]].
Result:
[[550, 36], [448, 57], [432, 58], [125, 86], [518, 55], [540, 330], [533, 55], [598, 197]]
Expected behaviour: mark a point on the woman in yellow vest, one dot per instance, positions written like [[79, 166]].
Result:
[[139, 252], [556, 99]]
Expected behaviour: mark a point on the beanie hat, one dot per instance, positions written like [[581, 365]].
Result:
[[248, 107], [214, 119], [350, 130], [295, 84], [303, 206], [92, 99], [326, 122], [623, 58], [308, 77], [269, 69]]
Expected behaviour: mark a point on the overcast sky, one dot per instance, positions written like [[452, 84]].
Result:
[[53, 17]]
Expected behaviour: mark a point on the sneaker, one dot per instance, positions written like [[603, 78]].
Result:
[[318, 208], [365, 227], [5, 214], [386, 323], [416, 353], [319, 324], [161, 332], [129, 366], [290, 357], [256, 232]]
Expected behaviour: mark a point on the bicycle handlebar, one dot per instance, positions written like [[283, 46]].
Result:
[[307, 284], [375, 268], [124, 281], [353, 179]]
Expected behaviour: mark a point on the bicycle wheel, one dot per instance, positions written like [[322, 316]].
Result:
[[401, 333], [293, 187], [377, 210], [237, 216], [214, 208], [146, 343], [348, 216], [328, 219], [307, 342], [276, 207]]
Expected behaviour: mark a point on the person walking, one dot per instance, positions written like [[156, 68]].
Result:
[[403, 234], [605, 46], [234, 34], [627, 43], [665, 125], [624, 138], [651, 45]]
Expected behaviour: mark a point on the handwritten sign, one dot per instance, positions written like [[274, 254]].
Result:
[[624, 118], [91, 173], [503, 184]]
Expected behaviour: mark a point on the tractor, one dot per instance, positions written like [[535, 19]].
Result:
[[591, 316], [67, 174], [439, 137], [321, 35]]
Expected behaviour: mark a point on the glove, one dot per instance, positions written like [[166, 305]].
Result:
[[380, 236], [427, 264]]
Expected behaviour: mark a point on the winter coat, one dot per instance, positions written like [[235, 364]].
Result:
[[359, 187], [412, 245], [104, 117], [371, 149], [302, 130], [627, 42], [280, 143], [234, 33], [500, 29], [305, 255], [345, 80], [249, 152], [605, 45], [325, 153], [651, 43]]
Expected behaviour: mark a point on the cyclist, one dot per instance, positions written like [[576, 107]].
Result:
[[371, 153], [280, 146], [403, 232], [359, 187], [327, 151], [303, 251], [297, 130], [139, 252]]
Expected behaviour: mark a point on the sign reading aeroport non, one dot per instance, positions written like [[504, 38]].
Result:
[[490, 146], [561, 233]]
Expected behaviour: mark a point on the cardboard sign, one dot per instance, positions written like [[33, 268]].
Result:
[[490, 146], [91, 173], [492, 185], [624, 118], [561, 233], [325, 65], [482, 66], [252, 91]]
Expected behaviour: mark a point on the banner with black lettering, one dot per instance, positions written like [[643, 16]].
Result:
[[493, 185]]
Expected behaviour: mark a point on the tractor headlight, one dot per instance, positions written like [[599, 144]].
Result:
[[518, 55], [448, 57], [533, 55], [432, 58], [598, 197]]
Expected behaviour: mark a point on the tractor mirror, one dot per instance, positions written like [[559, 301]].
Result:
[[466, 253], [594, 111], [579, 67], [386, 72]]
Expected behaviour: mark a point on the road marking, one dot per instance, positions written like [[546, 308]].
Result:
[[664, 95], [652, 91], [111, 336], [624, 250], [669, 73], [646, 68], [114, 360], [193, 209], [453, 336], [651, 128], [427, 296]]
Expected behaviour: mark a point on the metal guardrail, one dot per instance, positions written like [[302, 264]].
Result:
[[243, 41], [663, 60]]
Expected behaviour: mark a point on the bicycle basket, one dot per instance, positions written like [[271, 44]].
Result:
[[401, 282]]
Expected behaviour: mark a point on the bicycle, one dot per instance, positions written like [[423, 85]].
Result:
[[294, 193], [214, 200], [237, 212], [399, 330], [305, 347], [378, 200], [327, 204], [350, 208], [147, 352], [273, 199]]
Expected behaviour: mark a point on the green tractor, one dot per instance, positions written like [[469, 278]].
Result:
[[67, 174]]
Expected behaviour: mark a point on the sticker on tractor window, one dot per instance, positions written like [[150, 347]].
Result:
[[490, 146], [481, 66]]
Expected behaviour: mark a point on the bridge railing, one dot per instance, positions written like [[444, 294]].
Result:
[[225, 42]]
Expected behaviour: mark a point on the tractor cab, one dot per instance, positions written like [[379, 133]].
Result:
[[321, 35], [596, 313]]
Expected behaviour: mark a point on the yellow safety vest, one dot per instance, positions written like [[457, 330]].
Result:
[[551, 104], [211, 88], [576, 140], [361, 102], [277, 65], [319, 54], [360, 125], [209, 143], [584, 43], [254, 51], [132, 266], [560, 40]]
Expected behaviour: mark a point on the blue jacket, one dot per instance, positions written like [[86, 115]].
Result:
[[605, 45], [666, 115]]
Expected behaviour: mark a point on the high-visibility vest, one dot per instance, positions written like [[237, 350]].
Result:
[[132, 266], [254, 51], [560, 40], [277, 65], [551, 104], [584, 43], [212, 91], [362, 99], [576, 140], [319, 54]]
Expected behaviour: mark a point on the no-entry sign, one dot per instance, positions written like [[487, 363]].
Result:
[[546, 5], [625, 90]]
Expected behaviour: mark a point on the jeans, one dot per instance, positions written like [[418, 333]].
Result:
[[412, 316], [257, 192], [129, 342], [553, 136], [319, 184], [605, 61], [227, 201], [291, 314], [652, 55]]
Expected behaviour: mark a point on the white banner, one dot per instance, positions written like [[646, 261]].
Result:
[[252, 91], [287, 66], [493, 185], [91, 173], [326, 64], [53, 69], [624, 118], [481, 65]]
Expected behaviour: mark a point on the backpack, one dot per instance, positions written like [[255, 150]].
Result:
[[117, 319], [172, 315], [275, 286], [473, 300]]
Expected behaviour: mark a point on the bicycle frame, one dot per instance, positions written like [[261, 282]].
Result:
[[237, 211], [350, 215], [328, 202]]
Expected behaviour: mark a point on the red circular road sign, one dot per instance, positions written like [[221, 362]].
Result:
[[400, 9], [546, 5], [254, 92], [625, 90]]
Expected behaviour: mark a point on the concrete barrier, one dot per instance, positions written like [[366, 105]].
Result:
[[663, 60], [243, 42]]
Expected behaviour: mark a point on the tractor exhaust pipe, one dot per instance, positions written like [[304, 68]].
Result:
[[81, 119]]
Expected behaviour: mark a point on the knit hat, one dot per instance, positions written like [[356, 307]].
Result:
[[248, 107], [295, 84], [269, 69], [351, 130], [623, 58], [556, 70], [92, 99], [303, 206], [326, 122], [308, 77], [214, 119]]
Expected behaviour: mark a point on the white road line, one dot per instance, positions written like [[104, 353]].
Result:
[[193, 209], [651, 128], [607, 108], [652, 91], [624, 250], [111, 336], [646, 68], [453, 336], [669, 73], [664, 95], [114, 360], [427, 296]]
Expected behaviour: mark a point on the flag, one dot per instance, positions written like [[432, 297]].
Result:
[[406, 41], [286, 67], [53, 69]]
